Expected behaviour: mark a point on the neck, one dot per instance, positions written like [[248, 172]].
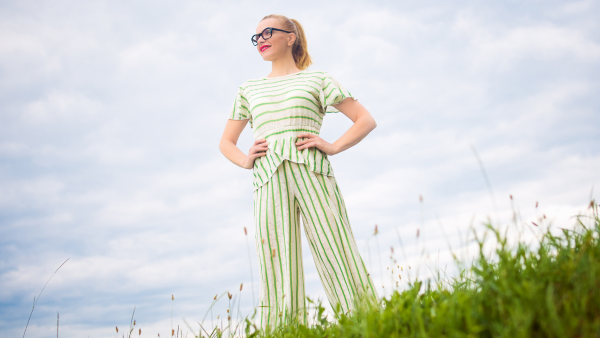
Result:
[[283, 66]]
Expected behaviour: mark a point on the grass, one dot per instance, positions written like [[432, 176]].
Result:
[[545, 289], [549, 289]]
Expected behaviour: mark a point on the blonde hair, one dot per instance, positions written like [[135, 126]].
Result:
[[300, 47]]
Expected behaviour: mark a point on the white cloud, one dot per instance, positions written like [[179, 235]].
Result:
[[111, 115]]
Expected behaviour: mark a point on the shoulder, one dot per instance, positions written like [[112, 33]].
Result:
[[324, 77], [315, 73], [248, 84]]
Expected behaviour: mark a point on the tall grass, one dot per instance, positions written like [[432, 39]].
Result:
[[550, 289], [36, 299]]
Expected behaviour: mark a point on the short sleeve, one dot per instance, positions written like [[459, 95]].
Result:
[[239, 110], [332, 92]]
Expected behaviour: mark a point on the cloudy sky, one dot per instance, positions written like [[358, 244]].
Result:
[[111, 113]]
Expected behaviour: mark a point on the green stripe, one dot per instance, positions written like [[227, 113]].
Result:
[[270, 252], [316, 232], [267, 157], [286, 118], [234, 108], [287, 99], [338, 193], [296, 240], [331, 92], [289, 91], [294, 82], [235, 105], [263, 168], [322, 158], [286, 108], [299, 253], [325, 234], [324, 273], [256, 171], [346, 235], [295, 86], [251, 83], [340, 224], [277, 240], [285, 131], [328, 224], [264, 261], [287, 191], [257, 241]]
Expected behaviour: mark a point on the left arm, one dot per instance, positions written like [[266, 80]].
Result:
[[363, 125]]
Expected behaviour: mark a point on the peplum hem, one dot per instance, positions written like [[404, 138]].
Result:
[[285, 149]]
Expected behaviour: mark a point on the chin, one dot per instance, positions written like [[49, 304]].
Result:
[[267, 57]]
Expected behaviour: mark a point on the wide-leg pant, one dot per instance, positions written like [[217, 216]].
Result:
[[294, 191]]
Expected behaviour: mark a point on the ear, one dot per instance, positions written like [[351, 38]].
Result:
[[291, 39]]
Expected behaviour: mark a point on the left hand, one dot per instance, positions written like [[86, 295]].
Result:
[[317, 142]]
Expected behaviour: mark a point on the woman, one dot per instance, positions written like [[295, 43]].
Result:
[[293, 177]]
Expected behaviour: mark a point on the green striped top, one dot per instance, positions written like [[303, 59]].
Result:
[[279, 108]]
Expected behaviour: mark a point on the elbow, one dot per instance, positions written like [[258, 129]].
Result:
[[225, 145], [367, 122], [221, 147]]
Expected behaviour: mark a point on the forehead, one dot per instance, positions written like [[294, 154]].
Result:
[[270, 22]]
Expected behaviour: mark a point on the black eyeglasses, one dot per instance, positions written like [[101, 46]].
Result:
[[266, 34]]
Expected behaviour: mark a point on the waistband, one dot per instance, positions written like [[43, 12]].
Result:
[[286, 132]]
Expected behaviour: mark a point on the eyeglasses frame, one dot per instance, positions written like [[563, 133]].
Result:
[[261, 34]]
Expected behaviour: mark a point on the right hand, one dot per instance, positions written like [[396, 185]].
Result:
[[258, 149]]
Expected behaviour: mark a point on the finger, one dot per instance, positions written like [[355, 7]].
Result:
[[308, 145], [308, 139], [305, 141], [264, 151], [259, 141], [255, 156], [257, 151], [262, 146]]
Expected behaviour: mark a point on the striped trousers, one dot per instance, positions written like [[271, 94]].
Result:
[[293, 192]]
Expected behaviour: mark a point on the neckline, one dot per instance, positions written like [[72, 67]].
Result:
[[279, 77]]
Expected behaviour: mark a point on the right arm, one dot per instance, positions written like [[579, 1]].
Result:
[[228, 145]]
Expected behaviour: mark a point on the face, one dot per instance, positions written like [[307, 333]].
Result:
[[278, 44]]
